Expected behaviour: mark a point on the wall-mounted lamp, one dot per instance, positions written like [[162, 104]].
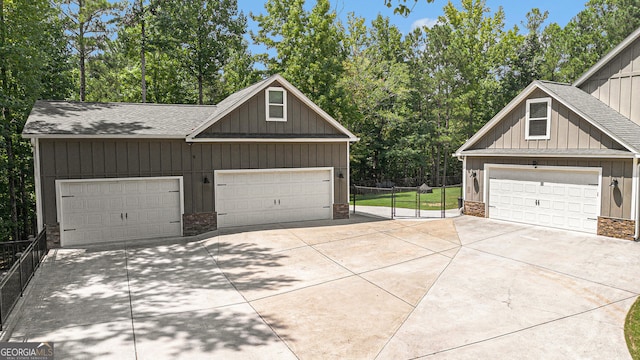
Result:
[[535, 164], [205, 180], [614, 183], [340, 175], [473, 175]]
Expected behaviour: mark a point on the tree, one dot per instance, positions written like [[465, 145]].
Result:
[[594, 31], [201, 35], [309, 49], [401, 8], [87, 23], [29, 49], [377, 81]]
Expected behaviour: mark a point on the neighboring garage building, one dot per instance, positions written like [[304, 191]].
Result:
[[119, 171], [564, 156]]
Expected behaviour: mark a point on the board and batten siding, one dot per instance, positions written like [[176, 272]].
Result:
[[617, 84], [568, 131], [119, 158], [250, 119], [615, 202]]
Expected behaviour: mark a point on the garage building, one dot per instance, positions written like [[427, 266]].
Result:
[[119, 171], [564, 155]]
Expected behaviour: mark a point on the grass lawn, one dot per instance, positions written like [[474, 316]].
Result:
[[632, 330], [407, 200]]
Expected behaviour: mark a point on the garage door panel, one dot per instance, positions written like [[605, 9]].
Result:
[[571, 205], [123, 209], [271, 196]]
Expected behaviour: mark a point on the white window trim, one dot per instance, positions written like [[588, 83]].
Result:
[[284, 103], [547, 136]]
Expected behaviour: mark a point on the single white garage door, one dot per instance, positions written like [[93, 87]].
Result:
[[95, 211], [556, 198], [250, 197]]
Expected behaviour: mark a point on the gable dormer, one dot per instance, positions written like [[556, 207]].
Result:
[[615, 79]]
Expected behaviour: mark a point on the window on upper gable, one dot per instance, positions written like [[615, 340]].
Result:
[[538, 119], [276, 98]]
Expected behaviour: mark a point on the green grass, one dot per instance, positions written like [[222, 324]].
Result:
[[407, 200], [632, 330]]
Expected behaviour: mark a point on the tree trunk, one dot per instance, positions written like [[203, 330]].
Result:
[[143, 61], [81, 52], [200, 92]]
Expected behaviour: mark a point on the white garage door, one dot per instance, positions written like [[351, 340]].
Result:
[[561, 199], [97, 211], [248, 197]]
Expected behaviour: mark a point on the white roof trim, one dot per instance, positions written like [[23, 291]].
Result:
[[552, 155], [517, 100], [610, 55], [101, 136], [266, 83], [270, 140]]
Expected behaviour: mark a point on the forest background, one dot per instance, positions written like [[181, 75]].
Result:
[[411, 98]]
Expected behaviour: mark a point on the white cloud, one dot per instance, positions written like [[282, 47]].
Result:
[[428, 22]]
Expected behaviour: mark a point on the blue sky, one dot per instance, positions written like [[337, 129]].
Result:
[[560, 11]]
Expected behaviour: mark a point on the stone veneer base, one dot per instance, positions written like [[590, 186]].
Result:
[[199, 223], [474, 208], [617, 228], [53, 235], [340, 211]]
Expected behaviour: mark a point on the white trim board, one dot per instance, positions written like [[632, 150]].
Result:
[[37, 183]]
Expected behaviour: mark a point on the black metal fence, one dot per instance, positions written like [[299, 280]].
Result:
[[26, 260], [416, 199]]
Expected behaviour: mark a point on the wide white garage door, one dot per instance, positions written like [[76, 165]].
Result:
[[249, 197], [94, 211], [562, 199]]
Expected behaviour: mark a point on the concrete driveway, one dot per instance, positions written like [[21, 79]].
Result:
[[463, 288]]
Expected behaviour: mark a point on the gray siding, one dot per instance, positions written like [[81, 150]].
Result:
[[250, 119], [568, 131], [88, 159], [617, 84], [612, 206]]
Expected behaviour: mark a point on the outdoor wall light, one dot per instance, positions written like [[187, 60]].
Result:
[[340, 175], [473, 174], [614, 183], [205, 180]]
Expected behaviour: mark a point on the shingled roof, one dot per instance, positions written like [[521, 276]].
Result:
[[114, 119], [596, 112], [77, 119]]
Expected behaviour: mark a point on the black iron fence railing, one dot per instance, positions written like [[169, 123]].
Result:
[[15, 280], [417, 199]]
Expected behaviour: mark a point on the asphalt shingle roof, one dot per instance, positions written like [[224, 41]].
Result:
[[75, 118], [597, 112]]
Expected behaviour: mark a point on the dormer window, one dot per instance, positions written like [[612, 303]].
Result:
[[538, 119], [276, 98]]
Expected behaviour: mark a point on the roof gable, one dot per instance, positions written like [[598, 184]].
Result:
[[595, 113], [567, 131], [241, 116], [249, 120]]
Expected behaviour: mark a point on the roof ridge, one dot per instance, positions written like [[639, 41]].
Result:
[[554, 82], [124, 103]]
